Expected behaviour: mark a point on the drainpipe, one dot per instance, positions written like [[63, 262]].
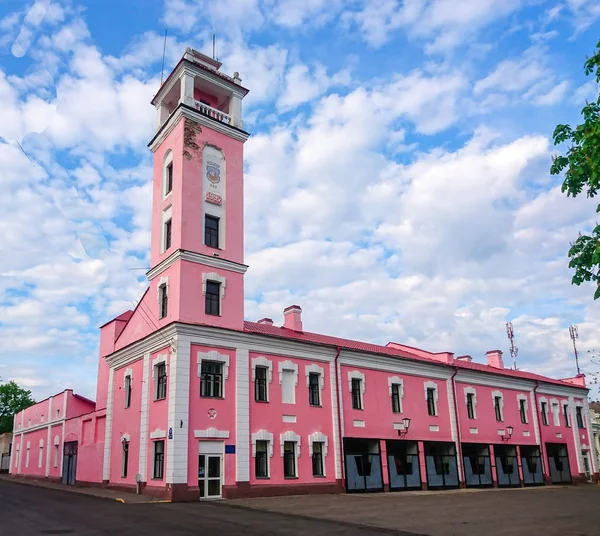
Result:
[[458, 438], [540, 428], [339, 415]]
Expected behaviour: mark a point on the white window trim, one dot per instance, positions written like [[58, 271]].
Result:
[[263, 435], [262, 361], [523, 397], [158, 434], [160, 358], [167, 215], [128, 372], [41, 453], [291, 436], [396, 380], [288, 365], [168, 159], [436, 395], [471, 391], [356, 375], [568, 406], [164, 280], [211, 433], [213, 276], [318, 437], [501, 395], [315, 369], [555, 403], [214, 356]]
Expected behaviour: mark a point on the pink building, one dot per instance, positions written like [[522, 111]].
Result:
[[194, 402]]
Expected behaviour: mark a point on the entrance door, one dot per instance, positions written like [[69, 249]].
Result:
[[477, 464], [363, 465], [558, 463], [403, 465], [531, 462], [507, 468], [441, 465], [69, 463], [209, 475]]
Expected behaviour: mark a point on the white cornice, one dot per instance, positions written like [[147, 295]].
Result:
[[190, 113], [198, 258], [214, 79], [494, 380]]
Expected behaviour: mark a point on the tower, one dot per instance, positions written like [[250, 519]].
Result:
[[197, 245]]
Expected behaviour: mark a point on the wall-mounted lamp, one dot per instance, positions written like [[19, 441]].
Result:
[[406, 424], [508, 434]]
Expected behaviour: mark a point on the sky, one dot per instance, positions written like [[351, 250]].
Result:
[[397, 181]]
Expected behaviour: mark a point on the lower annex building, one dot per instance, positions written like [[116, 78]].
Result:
[[194, 402]]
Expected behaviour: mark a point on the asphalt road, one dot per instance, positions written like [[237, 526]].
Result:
[[27, 510]]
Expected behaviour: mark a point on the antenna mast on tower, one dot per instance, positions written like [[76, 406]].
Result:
[[513, 349], [574, 333]]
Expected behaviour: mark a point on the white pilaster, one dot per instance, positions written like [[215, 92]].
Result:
[[454, 426], [235, 111], [145, 387], [590, 434], [187, 89], [536, 421], [242, 412], [335, 421], [48, 442], [576, 432], [179, 411], [109, 421], [62, 442]]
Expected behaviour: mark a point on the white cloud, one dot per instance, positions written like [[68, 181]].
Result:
[[555, 95], [443, 24], [303, 86]]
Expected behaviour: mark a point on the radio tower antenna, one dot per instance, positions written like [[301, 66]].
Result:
[[574, 333], [513, 349]]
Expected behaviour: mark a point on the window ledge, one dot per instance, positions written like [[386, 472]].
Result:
[[213, 397], [290, 478], [261, 401], [262, 477], [319, 476], [316, 405]]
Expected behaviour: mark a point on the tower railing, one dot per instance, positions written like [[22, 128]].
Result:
[[213, 113]]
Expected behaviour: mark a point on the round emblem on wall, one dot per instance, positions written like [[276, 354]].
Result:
[[212, 413]]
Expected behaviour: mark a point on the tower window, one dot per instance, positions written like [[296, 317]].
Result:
[[356, 393], [168, 225], [213, 298], [431, 409], [470, 405], [211, 380], [211, 231], [396, 398], [127, 391], [169, 179], [498, 408], [161, 382], [523, 411], [163, 300]]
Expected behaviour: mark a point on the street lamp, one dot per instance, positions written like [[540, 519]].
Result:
[[509, 433], [406, 425]]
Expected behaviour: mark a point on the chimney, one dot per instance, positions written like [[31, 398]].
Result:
[[494, 359], [464, 358], [293, 317], [266, 321]]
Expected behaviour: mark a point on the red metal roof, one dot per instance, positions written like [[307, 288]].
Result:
[[326, 340]]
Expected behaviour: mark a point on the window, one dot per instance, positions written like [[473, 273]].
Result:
[[317, 458], [289, 459], [579, 415], [431, 409], [163, 300], [566, 414], [125, 462], [211, 379], [498, 408], [555, 414], [169, 179], [211, 231], [41, 456], [523, 410], [356, 393], [127, 391], [261, 466], [313, 389], [55, 455], [159, 460], [544, 413], [260, 384], [213, 291], [470, 405], [161, 381], [168, 225], [58, 414], [396, 398]]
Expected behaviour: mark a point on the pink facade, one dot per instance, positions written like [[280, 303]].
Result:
[[194, 402]]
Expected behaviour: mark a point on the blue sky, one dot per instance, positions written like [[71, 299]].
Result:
[[397, 182]]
